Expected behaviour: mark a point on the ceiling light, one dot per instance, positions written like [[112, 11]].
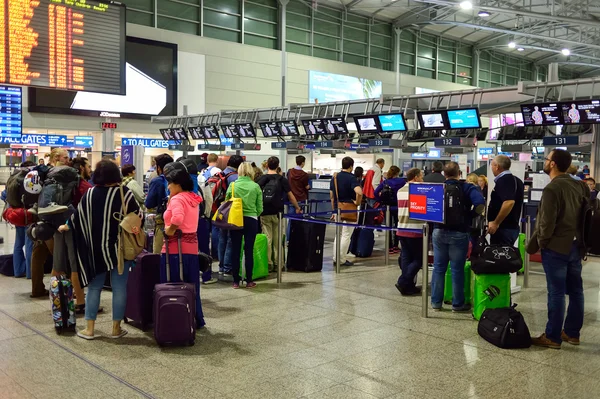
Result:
[[483, 14], [512, 44], [566, 52], [520, 49], [466, 5]]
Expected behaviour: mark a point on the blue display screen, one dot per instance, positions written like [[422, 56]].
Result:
[[426, 202], [464, 118], [10, 111], [392, 123]]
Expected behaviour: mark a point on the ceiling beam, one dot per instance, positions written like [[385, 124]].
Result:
[[353, 3]]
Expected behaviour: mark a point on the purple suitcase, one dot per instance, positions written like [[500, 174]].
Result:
[[140, 288], [175, 308]]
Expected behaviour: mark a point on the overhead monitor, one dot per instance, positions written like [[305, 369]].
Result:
[[542, 114], [313, 127], [229, 131], [179, 133], [151, 82], [196, 132], [165, 133], [245, 130], [367, 124], [335, 126], [11, 111], [467, 118], [432, 120], [70, 45], [288, 128], [581, 112], [269, 129], [392, 123], [210, 132]]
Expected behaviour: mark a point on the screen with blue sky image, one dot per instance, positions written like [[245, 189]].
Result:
[[328, 87], [392, 123], [464, 118]]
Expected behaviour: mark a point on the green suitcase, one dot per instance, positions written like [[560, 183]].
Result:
[[261, 262], [448, 284], [490, 291], [522, 251]]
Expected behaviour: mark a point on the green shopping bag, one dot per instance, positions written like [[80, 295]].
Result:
[[490, 291], [448, 284], [261, 262], [522, 251]]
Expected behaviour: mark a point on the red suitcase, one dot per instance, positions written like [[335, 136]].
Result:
[[140, 288], [175, 308]]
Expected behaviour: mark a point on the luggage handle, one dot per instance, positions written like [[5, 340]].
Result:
[[178, 233]]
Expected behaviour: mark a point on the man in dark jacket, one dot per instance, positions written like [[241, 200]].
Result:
[[451, 243], [436, 176], [557, 233], [157, 192]]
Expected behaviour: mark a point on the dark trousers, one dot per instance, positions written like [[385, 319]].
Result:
[[249, 233], [410, 261], [203, 234], [42, 250], [563, 277], [393, 223], [504, 237]]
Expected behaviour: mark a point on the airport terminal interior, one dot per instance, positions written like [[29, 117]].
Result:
[[398, 86]]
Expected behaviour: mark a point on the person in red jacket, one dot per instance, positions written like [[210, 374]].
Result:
[[373, 179]]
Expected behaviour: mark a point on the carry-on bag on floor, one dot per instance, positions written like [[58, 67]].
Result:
[[261, 262], [504, 328], [140, 288], [175, 307], [63, 304], [448, 284], [490, 291], [6, 265], [305, 251], [362, 242]]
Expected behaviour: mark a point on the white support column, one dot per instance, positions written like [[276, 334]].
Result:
[[396, 57], [282, 46], [108, 139]]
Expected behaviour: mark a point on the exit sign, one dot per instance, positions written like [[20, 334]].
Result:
[[108, 125]]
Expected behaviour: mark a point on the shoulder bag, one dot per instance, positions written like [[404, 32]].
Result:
[[131, 238], [230, 215], [345, 206]]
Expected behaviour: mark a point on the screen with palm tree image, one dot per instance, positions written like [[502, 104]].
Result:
[[328, 87]]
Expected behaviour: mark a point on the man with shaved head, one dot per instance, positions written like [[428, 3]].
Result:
[[506, 203]]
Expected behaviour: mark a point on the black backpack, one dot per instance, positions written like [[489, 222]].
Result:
[[16, 195], [455, 205], [387, 196], [590, 225], [504, 328], [272, 193]]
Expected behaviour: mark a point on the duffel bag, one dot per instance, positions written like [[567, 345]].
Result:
[[495, 259], [504, 328]]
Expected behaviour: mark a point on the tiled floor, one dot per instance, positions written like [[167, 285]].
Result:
[[317, 335]]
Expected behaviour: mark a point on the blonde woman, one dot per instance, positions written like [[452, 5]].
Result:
[[472, 179], [482, 182], [245, 187]]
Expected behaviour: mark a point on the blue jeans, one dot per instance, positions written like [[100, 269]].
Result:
[[410, 261], [449, 247], [22, 263], [214, 241], [504, 237], [224, 252], [249, 233], [563, 277], [119, 294]]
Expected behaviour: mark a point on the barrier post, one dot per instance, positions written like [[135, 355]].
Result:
[[388, 219], [425, 280], [526, 260], [279, 248], [338, 237]]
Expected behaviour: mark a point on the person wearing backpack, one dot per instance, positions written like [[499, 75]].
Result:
[[212, 168], [275, 189], [157, 195], [559, 234], [386, 193], [451, 239]]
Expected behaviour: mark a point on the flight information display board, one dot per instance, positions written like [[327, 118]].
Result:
[[392, 123], [464, 118], [63, 44], [11, 111], [542, 114], [581, 112]]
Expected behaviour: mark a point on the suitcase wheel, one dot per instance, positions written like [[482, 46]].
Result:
[[126, 320], [191, 343]]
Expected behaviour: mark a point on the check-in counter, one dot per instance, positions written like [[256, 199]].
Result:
[[319, 191]]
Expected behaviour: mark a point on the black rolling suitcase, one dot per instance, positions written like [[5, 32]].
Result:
[[305, 252]]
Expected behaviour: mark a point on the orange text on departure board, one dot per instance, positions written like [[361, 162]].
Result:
[[22, 39]]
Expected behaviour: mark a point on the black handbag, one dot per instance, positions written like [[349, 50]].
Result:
[[204, 261], [495, 259], [504, 328]]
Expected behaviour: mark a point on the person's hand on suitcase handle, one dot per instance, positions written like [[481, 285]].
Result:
[[171, 230]]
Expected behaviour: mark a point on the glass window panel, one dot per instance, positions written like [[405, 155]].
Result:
[[407, 35], [298, 48], [445, 67], [407, 70], [355, 34], [328, 28], [407, 59], [220, 19], [463, 59], [496, 84], [382, 28], [231, 6], [179, 10], [326, 41], [327, 54], [298, 7], [381, 53], [221, 34], [260, 41], [497, 67], [445, 77], [512, 71], [465, 50], [354, 59], [262, 28], [356, 48], [526, 75], [445, 55], [425, 63], [178, 26], [381, 41], [139, 18], [328, 14], [356, 21], [464, 71], [511, 81], [425, 51], [297, 21], [270, 3], [496, 77], [484, 75], [426, 74], [298, 35], [259, 12], [387, 66], [146, 5], [484, 56]]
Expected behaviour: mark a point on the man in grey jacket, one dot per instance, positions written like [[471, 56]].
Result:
[[558, 234]]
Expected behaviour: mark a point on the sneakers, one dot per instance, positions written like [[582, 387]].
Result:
[[346, 263], [461, 309], [211, 281], [251, 285], [394, 250], [52, 209], [566, 338], [415, 291], [544, 341], [236, 286]]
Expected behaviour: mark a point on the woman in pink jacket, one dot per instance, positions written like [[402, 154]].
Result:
[[182, 214]]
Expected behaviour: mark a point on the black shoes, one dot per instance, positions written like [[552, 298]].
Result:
[[414, 291]]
